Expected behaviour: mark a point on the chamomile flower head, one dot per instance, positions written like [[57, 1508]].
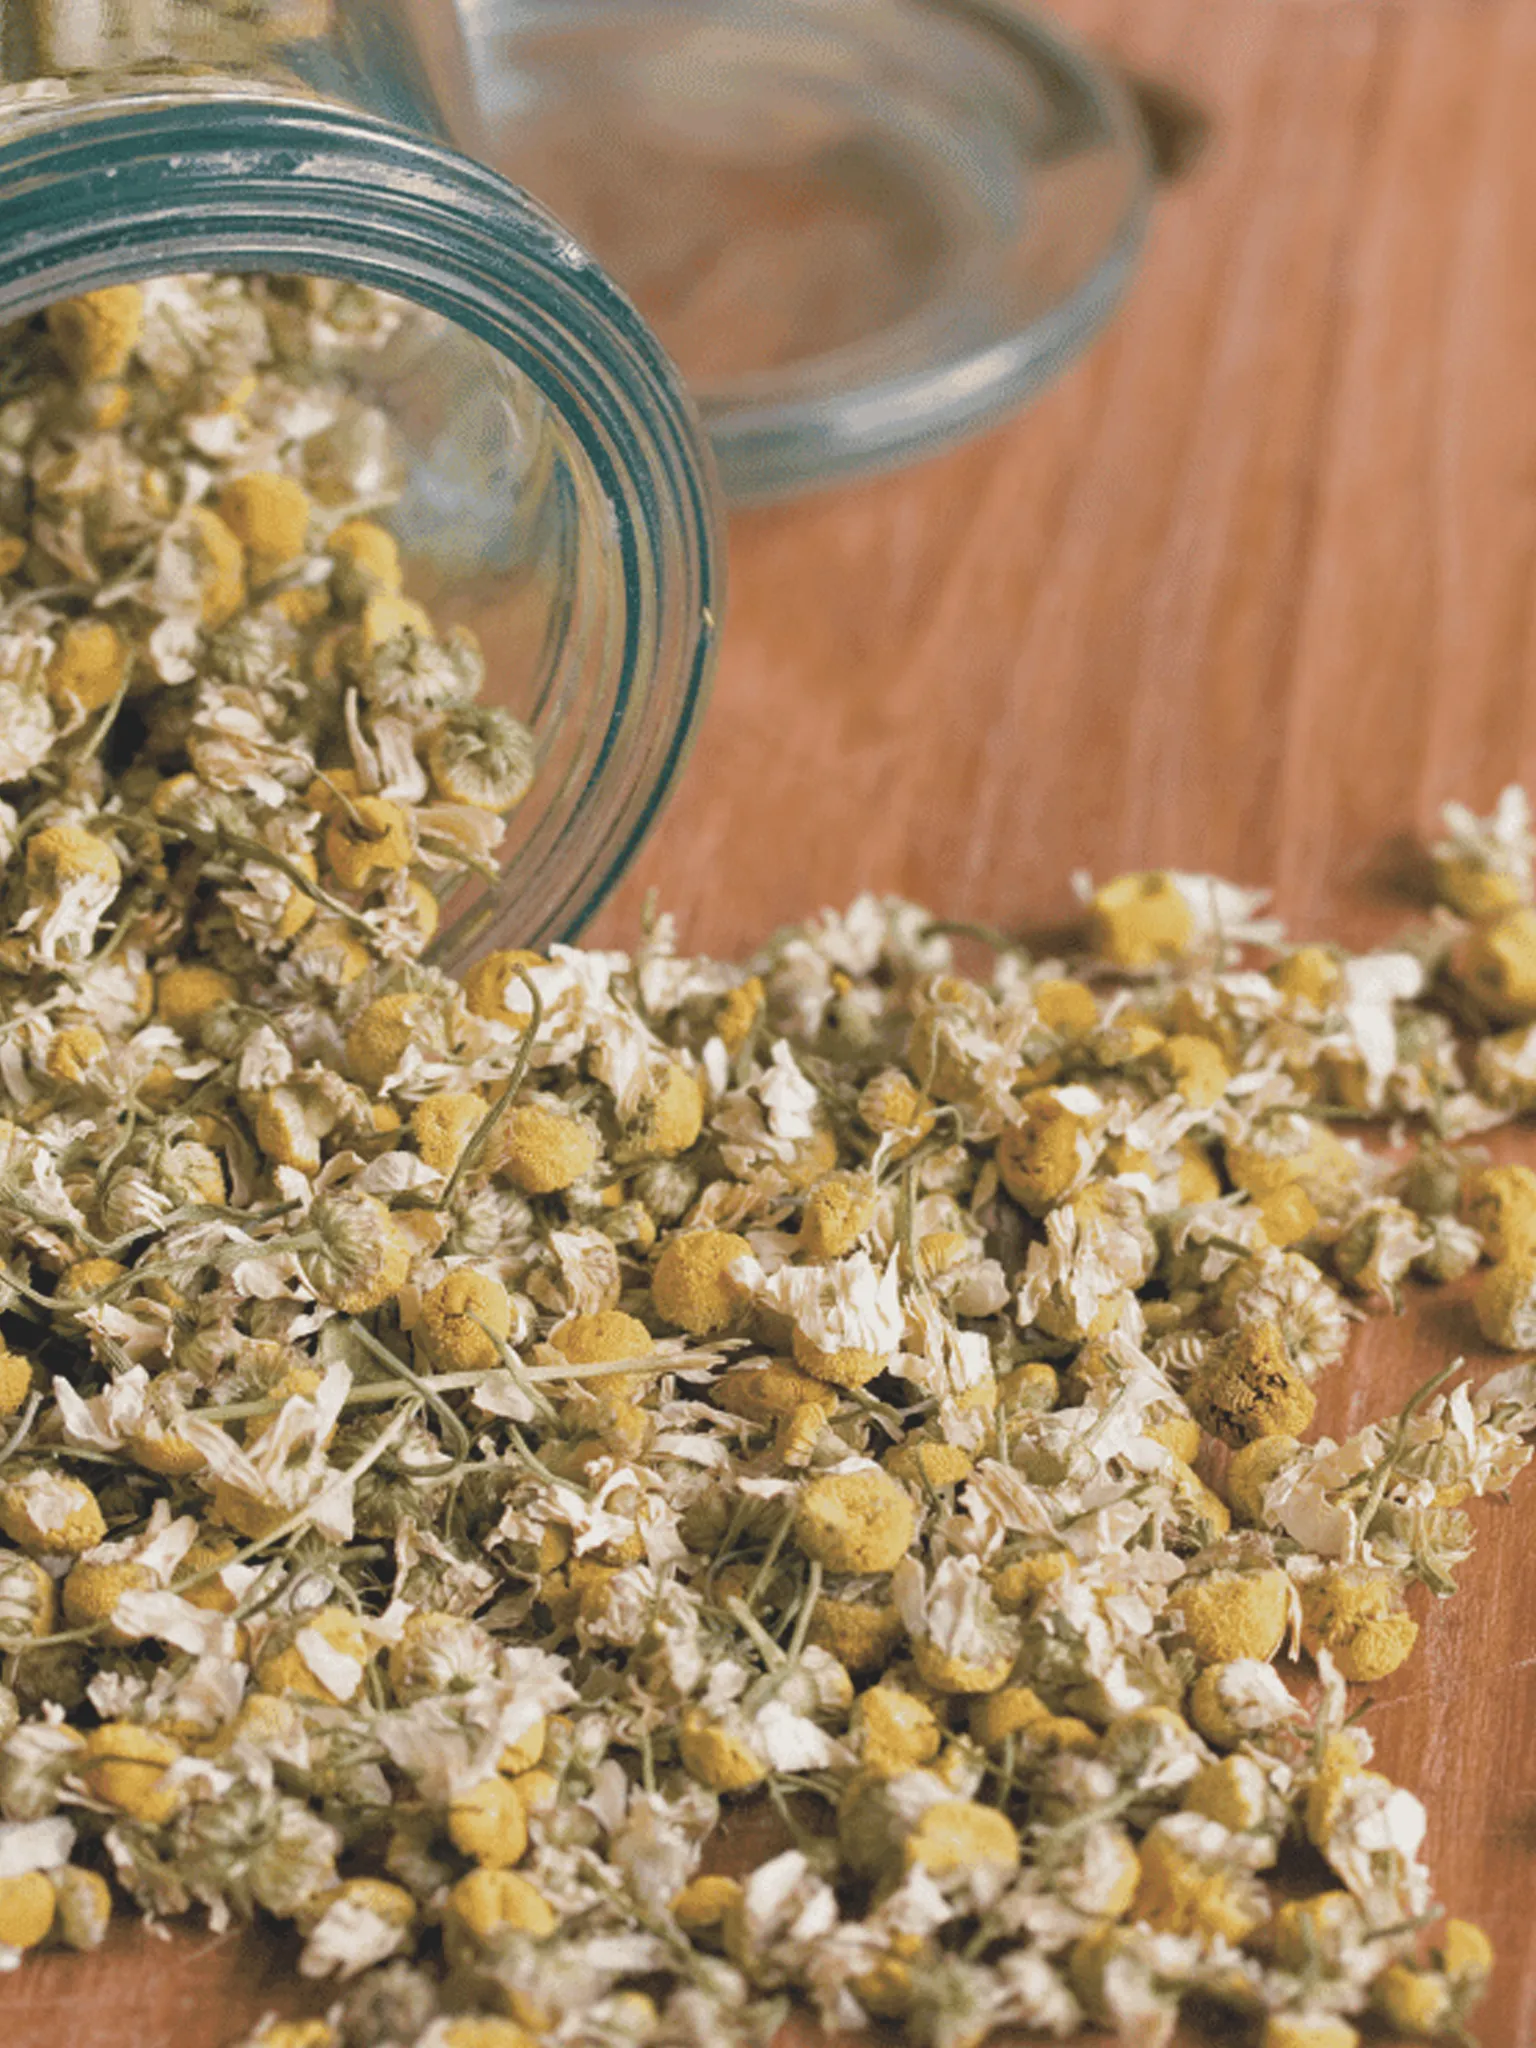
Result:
[[269, 514], [542, 1147], [129, 1768], [463, 1321], [1308, 2030], [15, 1381], [482, 756], [82, 1906], [1505, 1302], [439, 1652], [1286, 1290], [45, 1512], [697, 1283], [1501, 1207], [1247, 1387], [855, 1521], [27, 1599], [1231, 1615], [319, 1655], [1483, 865], [27, 1908], [89, 667], [1358, 1614], [1191, 1884], [488, 1903], [1137, 921], [359, 1258], [1496, 964]]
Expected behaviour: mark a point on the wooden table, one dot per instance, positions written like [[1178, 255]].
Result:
[[1252, 590]]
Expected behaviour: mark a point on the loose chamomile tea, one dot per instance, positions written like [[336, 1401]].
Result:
[[472, 1449], [222, 721]]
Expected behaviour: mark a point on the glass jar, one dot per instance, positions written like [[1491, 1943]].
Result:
[[863, 229], [560, 498]]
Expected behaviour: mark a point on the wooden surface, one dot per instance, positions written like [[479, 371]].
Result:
[[1252, 590]]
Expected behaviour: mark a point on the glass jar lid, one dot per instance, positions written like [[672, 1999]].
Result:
[[862, 228]]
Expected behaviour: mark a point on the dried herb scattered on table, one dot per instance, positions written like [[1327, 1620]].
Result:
[[462, 1441]]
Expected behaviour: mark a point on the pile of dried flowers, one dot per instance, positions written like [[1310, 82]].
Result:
[[221, 721], [463, 1438]]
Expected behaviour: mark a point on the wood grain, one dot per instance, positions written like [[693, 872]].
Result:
[[1253, 590]]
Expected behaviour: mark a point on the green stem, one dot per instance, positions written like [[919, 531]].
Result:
[[771, 1557], [253, 849], [512, 1364], [1387, 1465], [371, 1394], [458, 1434], [19, 1434], [482, 1131], [773, 1657], [536, 1465]]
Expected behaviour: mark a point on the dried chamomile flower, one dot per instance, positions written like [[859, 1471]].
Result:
[[1229, 1615], [82, 1906], [269, 514], [360, 1258], [1357, 1613], [836, 1215], [27, 1908], [1378, 1247], [463, 1320], [1496, 964], [855, 1521], [695, 1283], [27, 1599], [438, 1651], [1136, 921], [129, 1768], [961, 1640], [894, 1730], [489, 1903], [1250, 1470], [1237, 1792], [482, 756], [1308, 2030], [862, 1633], [1048, 1152], [1483, 865], [1426, 2002], [15, 1381], [46, 1511], [1196, 1879], [1247, 1387], [365, 562], [1505, 1302], [1501, 1208], [494, 988], [1286, 1291], [961, 1836], [542, 1148]]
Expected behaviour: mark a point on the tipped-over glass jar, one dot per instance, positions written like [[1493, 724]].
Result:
[[555, 495]]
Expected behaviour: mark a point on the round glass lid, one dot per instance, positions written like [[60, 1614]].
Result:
[[862, 228]]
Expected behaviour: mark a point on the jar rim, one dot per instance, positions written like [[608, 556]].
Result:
[[166, 180]]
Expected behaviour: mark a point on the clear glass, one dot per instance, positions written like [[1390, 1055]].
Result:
[[561, 499], [862, 228]]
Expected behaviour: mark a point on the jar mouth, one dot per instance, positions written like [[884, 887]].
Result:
[[98, 193]]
